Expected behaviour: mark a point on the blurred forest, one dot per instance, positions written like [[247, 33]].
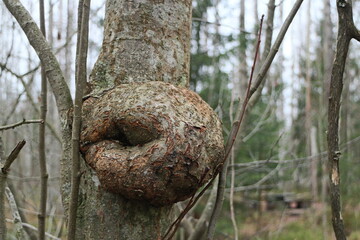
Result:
[[277, 179]]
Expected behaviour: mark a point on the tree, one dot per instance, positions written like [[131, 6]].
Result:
[[347, 31], [158, 146]]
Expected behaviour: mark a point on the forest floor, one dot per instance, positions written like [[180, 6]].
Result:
[[294, 224]]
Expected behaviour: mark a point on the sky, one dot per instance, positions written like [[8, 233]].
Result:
[[229, 14]]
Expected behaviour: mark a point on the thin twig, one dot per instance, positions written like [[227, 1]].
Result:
[[324, 154], [43, 50], [80, 79], [42, 146], [236, 126], [193, 200], [232, 137], [34, 229], [29, 96], [220, 25], [13, 108], [31, 234], [275, 48], [232, 179], [200, 227], [23, 122]]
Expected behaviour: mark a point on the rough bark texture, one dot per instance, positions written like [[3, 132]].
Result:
[[151, 141], [346, 32], [146, 40], [148, 141]]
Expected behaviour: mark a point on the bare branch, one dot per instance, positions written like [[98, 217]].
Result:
[[346, 32], [42, 146], [275, 48], [23, 122], [29, 96], [30, 233], [81, 56], [13, 155], [42, 48], [229, 144], [5, 165], [16, 215], [221, 25], [35, 229], [200, 227]]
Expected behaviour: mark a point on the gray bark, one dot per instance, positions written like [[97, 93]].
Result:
[[154, 143], [145, 43]]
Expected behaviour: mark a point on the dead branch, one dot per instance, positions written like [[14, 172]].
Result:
[[23, 122], [13, 155], [29, 96], [43, 50], [236, 126], [230, 142], [346, 31], [5, 165]]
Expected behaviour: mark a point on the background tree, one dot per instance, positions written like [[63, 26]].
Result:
[[148, 33], [272, 158]]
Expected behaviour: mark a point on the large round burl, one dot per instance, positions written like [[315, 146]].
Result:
[[151, 141]]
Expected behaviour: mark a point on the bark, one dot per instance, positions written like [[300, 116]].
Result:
[[144, 135], [346, 32], [19, 230], [163, 156], [42, 145], [4, 168], [81, 58], [146, 41]]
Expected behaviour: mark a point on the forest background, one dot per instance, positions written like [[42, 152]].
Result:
[[283, 141]]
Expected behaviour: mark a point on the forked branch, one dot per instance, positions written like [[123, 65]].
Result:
[[252, 88], [43, 50]]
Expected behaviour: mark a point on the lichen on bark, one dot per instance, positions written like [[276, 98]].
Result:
[[145, 137], [145, 41]]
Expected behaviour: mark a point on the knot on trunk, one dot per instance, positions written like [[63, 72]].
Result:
[[151, 141]]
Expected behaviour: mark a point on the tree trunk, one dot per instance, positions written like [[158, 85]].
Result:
[[346, 31], [148, 141], [243, 72], [144, 136]]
